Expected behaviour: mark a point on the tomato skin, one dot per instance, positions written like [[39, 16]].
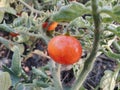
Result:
[[49, 27], [14, 34], [52, 26], [65, 49], [44, 25]]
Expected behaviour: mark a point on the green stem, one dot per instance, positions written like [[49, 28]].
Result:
[[32, 9], [25, 76], [7, 43], [16, 61], [10, 45], [106, 10], [6, 28], [91, 59], [111, 54], [117, 46], [55, 69], [39, 35]]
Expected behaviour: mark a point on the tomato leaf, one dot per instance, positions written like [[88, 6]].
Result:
[[18, 22], [38, 72], [13, 76], [79, 22], [8, 10], [114, 29], [31, 86], [116, 13], [5, 81], [116, 18], [39, 83], [16, 61], [5, 6], [106, 18], [116, 10], [1, 16], [108, 80], [70, 12], [22, 38], [25, 87], [6, 28], [112, 55]]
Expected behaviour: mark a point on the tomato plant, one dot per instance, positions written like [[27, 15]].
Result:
[[95, 23], [65, 49]]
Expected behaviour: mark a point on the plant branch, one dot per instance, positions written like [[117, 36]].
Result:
[[117, 46], [91, 59], [29, 7], [55, 69], [7, 43], [6, 28]]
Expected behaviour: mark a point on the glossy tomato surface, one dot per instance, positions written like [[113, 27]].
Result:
[[65, 49]]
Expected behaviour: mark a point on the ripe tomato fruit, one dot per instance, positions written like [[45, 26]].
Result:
[[65, 49], [49, 27], [44, 25], [14, 34], [52, 26]]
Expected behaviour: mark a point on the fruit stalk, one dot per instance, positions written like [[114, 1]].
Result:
[[91, 58], [7, 43]]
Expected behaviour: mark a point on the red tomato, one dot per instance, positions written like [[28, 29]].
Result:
[[65, 49], [52, 26], [45, 25], [49, 27], [14, 34], [19, 14]]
